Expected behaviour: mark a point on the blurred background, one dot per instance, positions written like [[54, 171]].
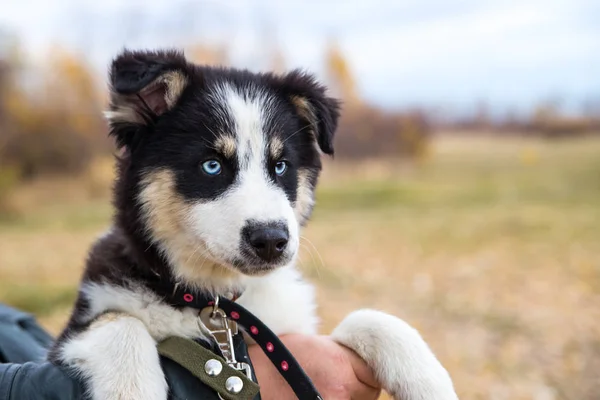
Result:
[[465, 193]]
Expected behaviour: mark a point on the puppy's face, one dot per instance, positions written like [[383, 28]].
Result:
[[223, 163]]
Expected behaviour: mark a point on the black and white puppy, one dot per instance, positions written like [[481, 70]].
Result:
[[217, 177]]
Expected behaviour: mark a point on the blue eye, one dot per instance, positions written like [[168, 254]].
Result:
[[211, 167], [280, 168]]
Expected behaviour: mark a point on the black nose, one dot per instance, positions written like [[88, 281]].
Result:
[[268, 242]]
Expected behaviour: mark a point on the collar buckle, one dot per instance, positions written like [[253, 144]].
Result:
[[223, 330]]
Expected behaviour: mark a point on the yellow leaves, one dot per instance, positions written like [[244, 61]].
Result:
[[209, 55], [413, 137], [340, 74], [51, 115], [69, 82], [16, 105]]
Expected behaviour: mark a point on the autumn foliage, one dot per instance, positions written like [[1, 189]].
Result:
[[366, 131], [50, 119], [50, 116]]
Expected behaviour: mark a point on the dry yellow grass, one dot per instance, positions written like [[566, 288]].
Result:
[[490, 248]]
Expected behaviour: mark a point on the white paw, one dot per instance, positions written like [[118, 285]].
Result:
[[400, 359], [118, 359]]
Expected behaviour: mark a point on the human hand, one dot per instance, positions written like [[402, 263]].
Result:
[[337, 372]]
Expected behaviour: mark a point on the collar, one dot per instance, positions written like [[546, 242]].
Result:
[[283, 360], [178, 294]]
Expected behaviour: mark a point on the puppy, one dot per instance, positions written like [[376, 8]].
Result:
[[217, 176]]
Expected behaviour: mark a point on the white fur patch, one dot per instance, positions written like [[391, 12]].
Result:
[[283, 301], [118, 359], [401, 360], [160, 319], [249, 112]]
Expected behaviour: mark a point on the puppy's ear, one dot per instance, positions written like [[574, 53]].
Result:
[[143, 86], [319, 111]]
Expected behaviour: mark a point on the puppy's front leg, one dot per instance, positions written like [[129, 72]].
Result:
[[401, 360], [118, 359]]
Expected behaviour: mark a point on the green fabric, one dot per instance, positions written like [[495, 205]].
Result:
[[193, 356]]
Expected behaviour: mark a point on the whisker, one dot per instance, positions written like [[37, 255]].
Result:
[[193, 253], [313, 264], [298, 131], [197, 256], [210, 130], [315, 248], [209, 144], [204, 260]]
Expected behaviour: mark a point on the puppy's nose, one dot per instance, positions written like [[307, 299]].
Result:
[[268, 242]]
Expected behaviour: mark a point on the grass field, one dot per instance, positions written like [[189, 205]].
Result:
[[491, 248]]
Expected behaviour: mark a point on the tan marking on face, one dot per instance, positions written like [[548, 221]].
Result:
[[276, 148], [166, 216], [304, 197], [306, 111], [226, 145]]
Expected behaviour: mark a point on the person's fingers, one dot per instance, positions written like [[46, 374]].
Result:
[[361, 369], [364, 392], [366, 387], [360, 391]]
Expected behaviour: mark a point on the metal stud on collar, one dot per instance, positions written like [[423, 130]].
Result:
[[234, 384], [213, 367]]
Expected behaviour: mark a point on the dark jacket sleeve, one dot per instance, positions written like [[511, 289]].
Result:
[[44, 381], [37, 381], [24, 375]]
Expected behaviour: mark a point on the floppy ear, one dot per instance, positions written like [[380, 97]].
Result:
[[313, 105], [143, 86]]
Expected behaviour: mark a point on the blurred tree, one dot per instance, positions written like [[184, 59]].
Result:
[[339, 74], [209, 55], [277, 60], [545, 112], [9, 61], [551, 122], [53, 117], [71, 88]]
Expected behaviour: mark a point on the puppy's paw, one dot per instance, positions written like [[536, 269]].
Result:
[[118, 360], [401, 360]]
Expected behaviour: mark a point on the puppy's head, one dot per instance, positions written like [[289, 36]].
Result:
[[221, 163]]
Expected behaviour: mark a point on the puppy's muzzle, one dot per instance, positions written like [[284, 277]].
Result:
[[268, 241]]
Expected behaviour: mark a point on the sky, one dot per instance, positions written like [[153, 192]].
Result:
[[435, 53]]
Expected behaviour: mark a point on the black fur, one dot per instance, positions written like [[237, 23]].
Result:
[[134, 70]]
